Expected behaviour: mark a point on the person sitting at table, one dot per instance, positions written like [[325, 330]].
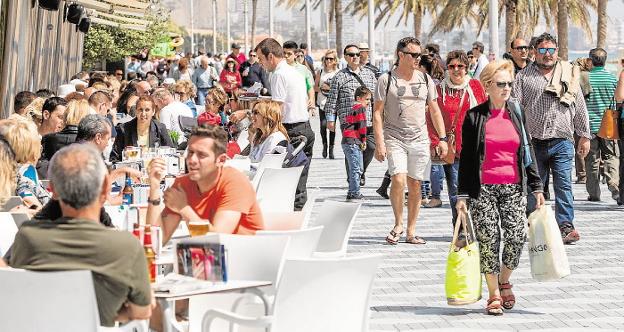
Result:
[[269, 132], [142, 131], [222, 195], [120, 277], [214, 112]]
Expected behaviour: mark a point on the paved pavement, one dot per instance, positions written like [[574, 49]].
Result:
[[408, 293]]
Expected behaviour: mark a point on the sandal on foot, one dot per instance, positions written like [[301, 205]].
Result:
[[394, 237], [508, 300], [493, 308], [415, 240]]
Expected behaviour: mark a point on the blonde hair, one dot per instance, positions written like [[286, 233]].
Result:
[[24, 139], [330, 52], [34, 110], [188, 86], [488, 73], [271, 111], [218, 97], [76, 110], [8, 168]]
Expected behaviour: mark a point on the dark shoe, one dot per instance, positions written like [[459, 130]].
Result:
[[616, 196], [362, 180], [593, 199], [355, 197], [581, 180], [331, 152], [383, 192], [569, 234], [433, 203], [324, 151], [546, 195], [394, 237]]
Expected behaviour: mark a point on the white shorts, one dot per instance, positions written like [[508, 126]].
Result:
[[413, 158]]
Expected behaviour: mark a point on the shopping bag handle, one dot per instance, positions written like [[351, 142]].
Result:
[[461, 220]]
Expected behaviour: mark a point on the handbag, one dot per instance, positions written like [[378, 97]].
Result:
[[450, 141], [609, 128], [526, 149], [546, 251], [463, 270]]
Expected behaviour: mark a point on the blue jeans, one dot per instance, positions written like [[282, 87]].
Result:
[[355, 160], [437, 174], [451, 172], [201, 96], [556, 155]]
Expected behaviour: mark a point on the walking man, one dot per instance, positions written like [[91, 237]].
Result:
[[401, 133], [554, 112]]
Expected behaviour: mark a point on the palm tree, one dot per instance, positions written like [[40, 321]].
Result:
[[334, 15], [602, 23], [387, 8], [562, 28], [254, 13]]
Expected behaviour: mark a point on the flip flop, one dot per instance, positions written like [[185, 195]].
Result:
[[415, 240], [394, 237]]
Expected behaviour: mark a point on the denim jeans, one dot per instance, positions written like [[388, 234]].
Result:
[[201, 96], [451, 171], [437, 175], [353, 156], [556, 155]]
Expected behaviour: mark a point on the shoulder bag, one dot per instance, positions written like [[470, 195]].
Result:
[[450, 140], [609, 125]]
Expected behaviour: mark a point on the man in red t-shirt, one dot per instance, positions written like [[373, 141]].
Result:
[[221, 195]]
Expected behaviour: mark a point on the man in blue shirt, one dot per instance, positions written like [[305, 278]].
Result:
[[204, 78]]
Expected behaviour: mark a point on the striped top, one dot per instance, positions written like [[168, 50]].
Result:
[[603, 85], [354, 125], [546, 116]]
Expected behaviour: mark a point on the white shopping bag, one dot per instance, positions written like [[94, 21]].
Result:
[[546, 251]]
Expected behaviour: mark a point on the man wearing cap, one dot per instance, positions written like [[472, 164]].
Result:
[[237, 55], [365, 60]]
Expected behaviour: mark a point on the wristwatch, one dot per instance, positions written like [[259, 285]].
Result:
[[154, 201], [444, 139]]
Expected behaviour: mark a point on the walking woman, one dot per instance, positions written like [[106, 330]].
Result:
[[496, 170], [230, 77], [322, 83], [457, 93]]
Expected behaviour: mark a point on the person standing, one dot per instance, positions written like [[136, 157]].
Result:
[[495, 175], [603, 85], [252, 72], [237, 55], [519, 54], [457, 93], [552, 120], [340, 99], [322, 86], [354, 141], [290, 50], [204, 78], [288, 87], [365, 60], [619, 98], [400, 128], [482, 60]]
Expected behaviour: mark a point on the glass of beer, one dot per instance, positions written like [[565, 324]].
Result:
[[198, 227]]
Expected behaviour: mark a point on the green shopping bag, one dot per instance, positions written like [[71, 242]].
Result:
[[463, 270]]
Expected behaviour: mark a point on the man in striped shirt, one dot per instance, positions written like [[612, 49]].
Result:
[[603, 85], [551, 124]]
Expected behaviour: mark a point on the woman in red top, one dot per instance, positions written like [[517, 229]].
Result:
[[230, 77], [456, 93]]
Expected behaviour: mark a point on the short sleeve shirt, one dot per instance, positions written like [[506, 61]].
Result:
[[115, 258], [288, 86], [405, 105], [232, 192]]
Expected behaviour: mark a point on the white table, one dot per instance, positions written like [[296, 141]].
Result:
[[243, 286]]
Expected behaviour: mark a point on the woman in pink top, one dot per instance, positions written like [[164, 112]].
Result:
[[496, 170]]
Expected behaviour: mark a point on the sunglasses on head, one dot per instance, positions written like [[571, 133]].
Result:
[[502, 85], [521, 48], [456, 67], [352, 54], [543, 50]]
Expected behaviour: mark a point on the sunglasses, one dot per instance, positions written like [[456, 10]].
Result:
[[330, 59], [352, 54], [254, 112], [502, 85], [550, 50], [521, 48], [456, 67], [414, 55], [253, 55]]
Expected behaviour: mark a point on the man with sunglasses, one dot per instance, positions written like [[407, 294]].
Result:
[[400, 129], [519, 54], [340, 99], [552, 123], [252, 72]]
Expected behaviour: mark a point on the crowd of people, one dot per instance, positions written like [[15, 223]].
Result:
[[495, 130]]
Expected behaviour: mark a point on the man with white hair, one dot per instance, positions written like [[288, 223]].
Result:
[[79, 180], [204, 78], [170, 112]]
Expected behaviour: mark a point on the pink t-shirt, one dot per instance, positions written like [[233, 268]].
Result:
[[502, 141]]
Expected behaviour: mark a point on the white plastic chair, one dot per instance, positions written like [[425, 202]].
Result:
[[302, 242], [308, 207], [276, 189], [248, 258], [8, 229], [338, 218], [329, 295], [19, 218], [271, 160], [47, 301], [283, 221]]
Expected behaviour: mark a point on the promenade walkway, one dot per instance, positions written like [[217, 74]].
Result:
[[408, 293]]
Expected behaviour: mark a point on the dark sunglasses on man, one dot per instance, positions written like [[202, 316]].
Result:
[[521, 48]]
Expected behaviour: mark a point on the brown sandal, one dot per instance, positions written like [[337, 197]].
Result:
[[394, 237], [415, 240], [508, 300], [492, 308]]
